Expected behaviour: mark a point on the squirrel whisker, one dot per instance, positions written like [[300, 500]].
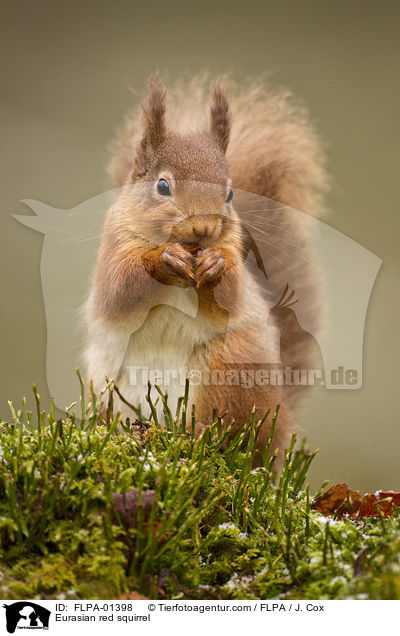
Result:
[[278, 239]]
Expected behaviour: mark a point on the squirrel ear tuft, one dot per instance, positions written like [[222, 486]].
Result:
[[153, 124], [220, 116], [154, 113]]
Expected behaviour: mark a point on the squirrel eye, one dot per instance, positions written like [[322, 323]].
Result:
[[163, 187], [230, 196]]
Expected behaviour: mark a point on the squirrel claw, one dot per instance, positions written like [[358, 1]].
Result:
[[177, 261], [209, 267]]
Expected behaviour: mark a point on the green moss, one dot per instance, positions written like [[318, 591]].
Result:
[[212, 527]]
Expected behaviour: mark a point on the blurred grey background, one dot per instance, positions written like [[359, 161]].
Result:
[[64, 92]]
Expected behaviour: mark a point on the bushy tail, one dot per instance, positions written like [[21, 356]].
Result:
[[273, 150]]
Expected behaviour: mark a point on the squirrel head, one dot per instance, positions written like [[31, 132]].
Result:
[[180, 190]]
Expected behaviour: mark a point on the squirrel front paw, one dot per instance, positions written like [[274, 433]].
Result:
[[210, 265], [178, 262]]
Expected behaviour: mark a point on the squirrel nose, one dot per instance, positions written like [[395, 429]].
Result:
[[204, 227], [200, 232]]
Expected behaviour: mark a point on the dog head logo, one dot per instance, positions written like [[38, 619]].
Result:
[[26, 615]]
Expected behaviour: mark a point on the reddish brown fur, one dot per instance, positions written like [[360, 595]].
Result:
[[236, 403], [270, 151], [229, 288]]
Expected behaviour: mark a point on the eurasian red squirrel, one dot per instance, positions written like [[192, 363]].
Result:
[[172, 289]]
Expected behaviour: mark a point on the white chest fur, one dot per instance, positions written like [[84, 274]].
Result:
[[160, 351]]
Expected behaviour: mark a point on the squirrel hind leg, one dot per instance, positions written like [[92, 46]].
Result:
[[232, 398]]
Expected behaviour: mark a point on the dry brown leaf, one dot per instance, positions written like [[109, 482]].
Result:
[[340, 500]]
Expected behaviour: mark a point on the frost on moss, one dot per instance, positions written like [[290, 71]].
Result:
[[197, 522]]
